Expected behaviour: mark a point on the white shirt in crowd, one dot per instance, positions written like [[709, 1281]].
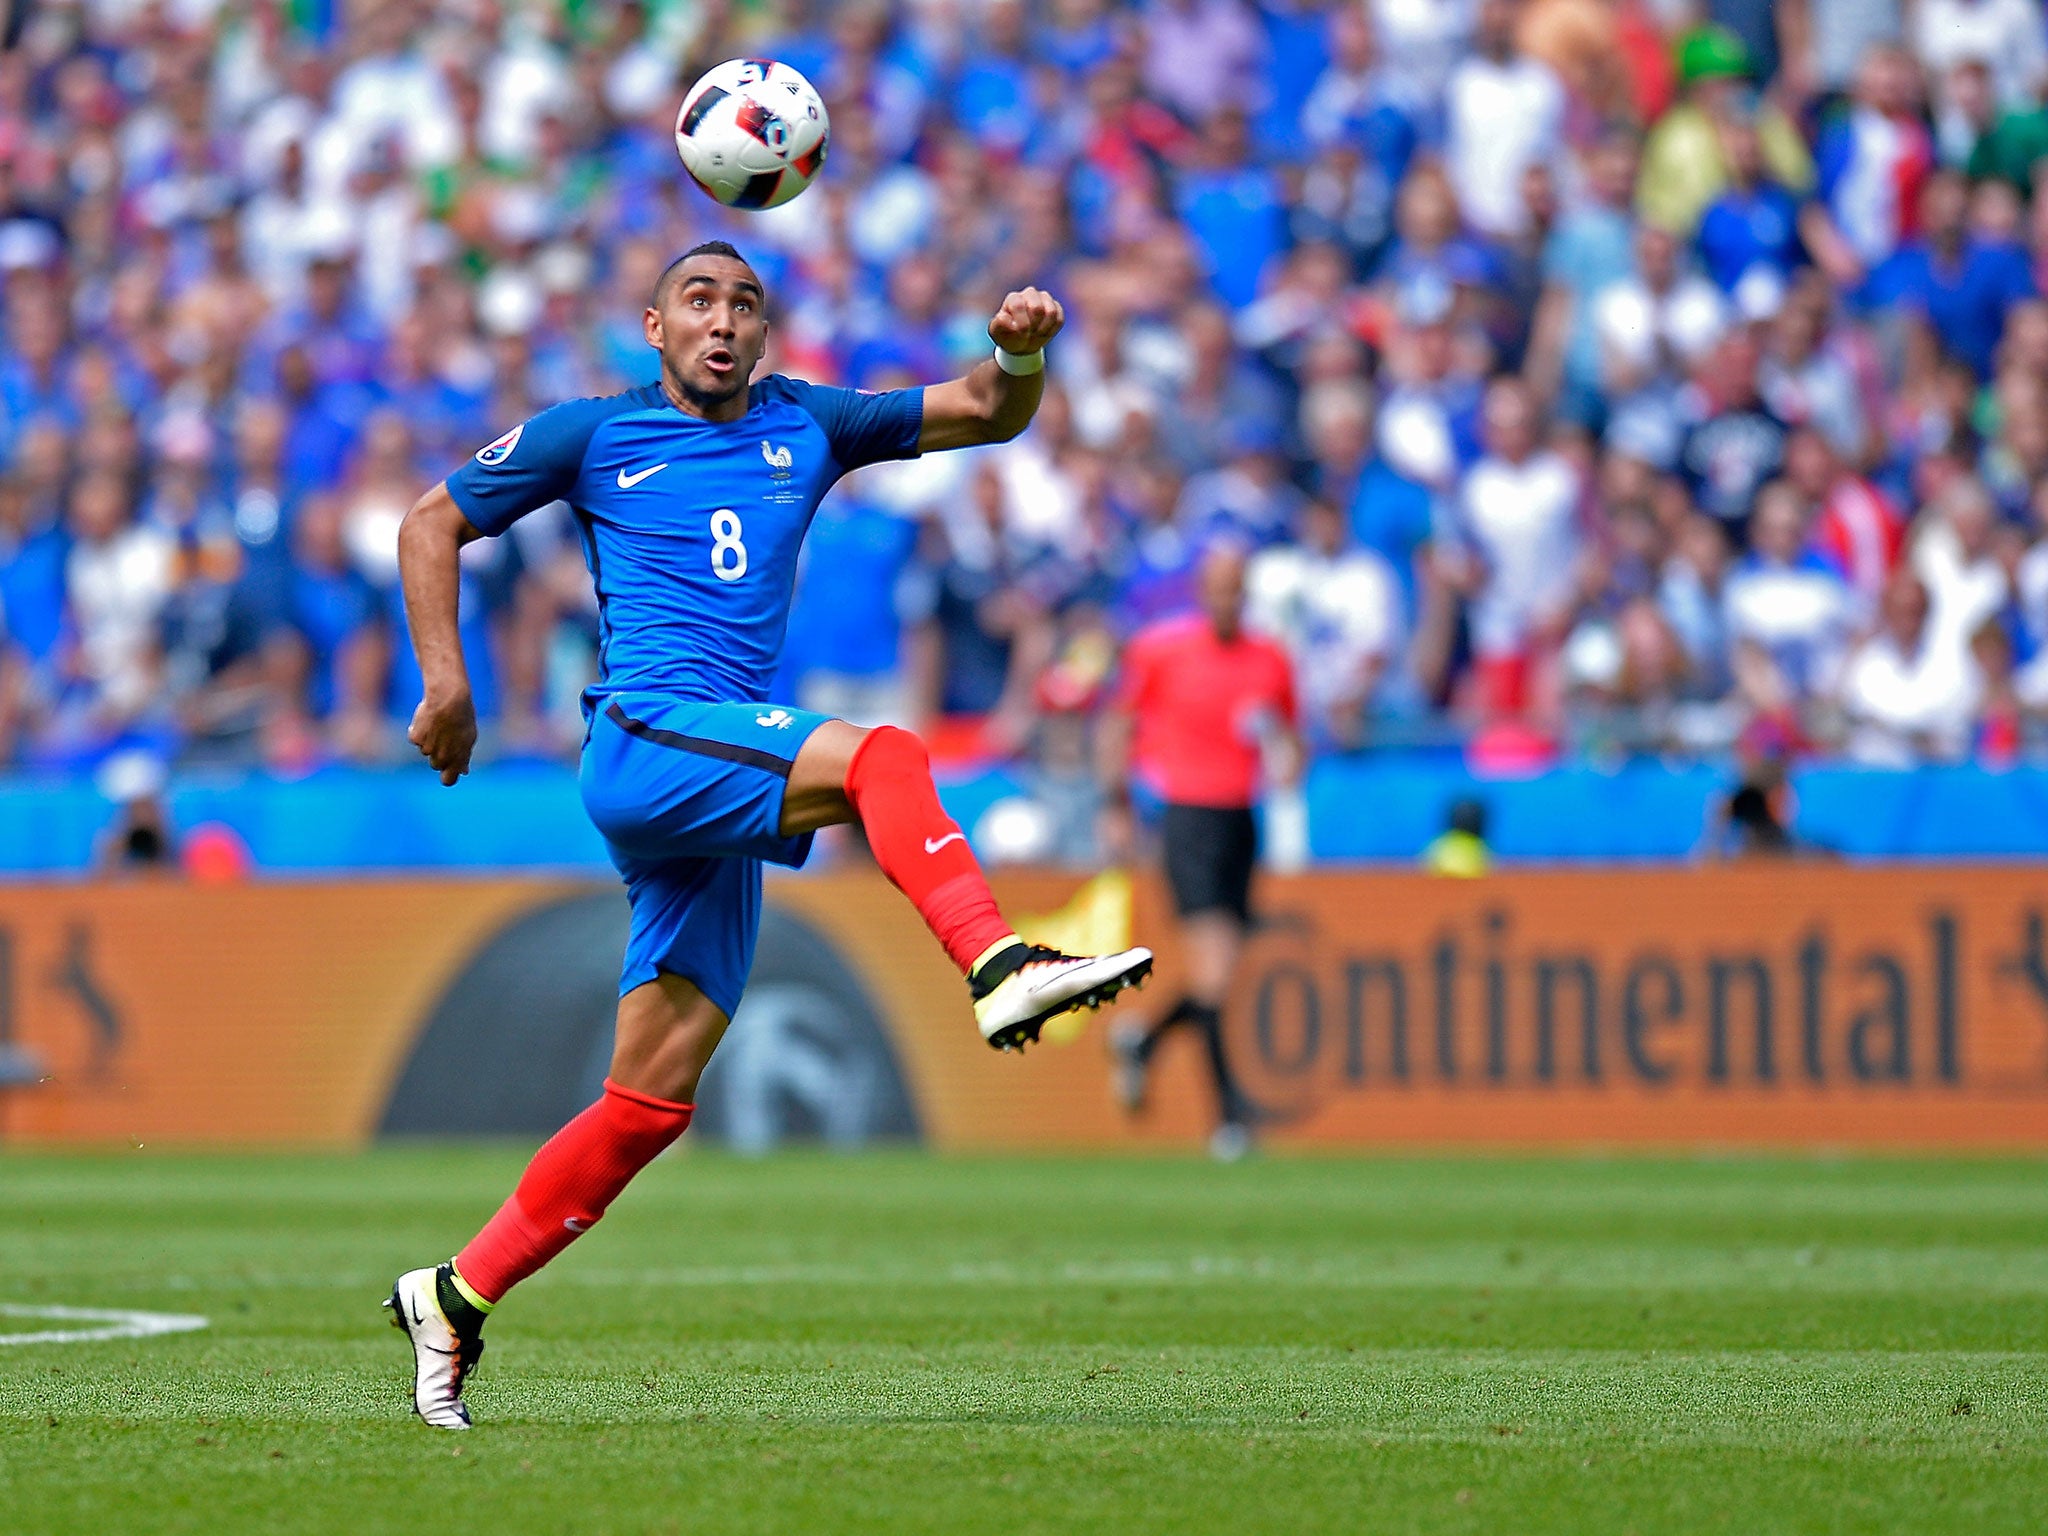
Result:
[[1420, 42], [1803, 615], [1521, 521], [1903, 707], [2006, 36], [117, 590], [1963, 594], [1503, 118], [1638, 328], [1339, 617]]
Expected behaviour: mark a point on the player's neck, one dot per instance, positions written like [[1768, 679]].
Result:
[[706, 408]]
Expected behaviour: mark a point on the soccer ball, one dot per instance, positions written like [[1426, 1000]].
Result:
[[752, 133]]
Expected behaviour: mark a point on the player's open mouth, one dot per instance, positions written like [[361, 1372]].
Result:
[[718, 360]]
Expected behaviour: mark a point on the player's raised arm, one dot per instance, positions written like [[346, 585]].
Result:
[[430, 544], [998, 399]]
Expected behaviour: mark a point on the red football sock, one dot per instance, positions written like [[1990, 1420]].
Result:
[[567, 1186], [920, 848]]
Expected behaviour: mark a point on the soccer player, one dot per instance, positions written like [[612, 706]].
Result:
[[1200, 705], [691, 496]]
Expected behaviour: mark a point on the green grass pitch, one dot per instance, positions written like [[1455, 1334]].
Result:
[[899, 1343]]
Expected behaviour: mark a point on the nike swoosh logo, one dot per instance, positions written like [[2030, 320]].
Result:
[[570, 1221], [417, 1315], [950, 837], [627, 482]]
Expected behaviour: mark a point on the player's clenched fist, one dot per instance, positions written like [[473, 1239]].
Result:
[[445, 733], [1029, 319]]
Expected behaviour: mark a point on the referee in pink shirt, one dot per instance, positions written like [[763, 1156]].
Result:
[[1200, 710]]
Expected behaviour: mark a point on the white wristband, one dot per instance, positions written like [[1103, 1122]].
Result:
[[1020, 363]]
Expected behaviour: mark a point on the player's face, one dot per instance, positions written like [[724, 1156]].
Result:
[[1220, 583], [710, 330]]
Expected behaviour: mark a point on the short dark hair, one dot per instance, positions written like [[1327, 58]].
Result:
[[723, 248]]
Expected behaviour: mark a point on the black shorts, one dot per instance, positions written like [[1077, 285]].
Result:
[[1210, 853]]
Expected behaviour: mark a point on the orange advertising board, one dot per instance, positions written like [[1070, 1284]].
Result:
[[1796, 1005]]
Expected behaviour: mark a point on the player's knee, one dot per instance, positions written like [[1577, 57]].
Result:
[[889, 753]]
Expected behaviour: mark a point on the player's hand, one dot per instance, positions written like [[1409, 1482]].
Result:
[[444, 729], [1029, 319]]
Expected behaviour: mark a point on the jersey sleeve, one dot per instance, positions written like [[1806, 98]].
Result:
[[863, 428], [535, 463]]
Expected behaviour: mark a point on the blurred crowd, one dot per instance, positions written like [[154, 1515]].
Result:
[[1584, 376]]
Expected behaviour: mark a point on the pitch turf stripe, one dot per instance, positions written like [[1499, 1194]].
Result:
[[110, 1324], [704, 746]]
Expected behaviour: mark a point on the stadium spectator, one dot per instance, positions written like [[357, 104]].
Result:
[[1856, 528], [1591, 251], [1654, 323], [1692, 601], [1733, 443], [1753, 224], [1459, 852], [1504, 113], [1805, 378], [1872, 161], [1787, 602], [1337, 610], [1962, 284], [1963, 573], [1510, 547], [1907, 694], [1685, 163], [260, 280], [2005, 37]]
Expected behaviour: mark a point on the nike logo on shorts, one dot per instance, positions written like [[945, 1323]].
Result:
[[932, 846], [627, 482], [574, 1225]]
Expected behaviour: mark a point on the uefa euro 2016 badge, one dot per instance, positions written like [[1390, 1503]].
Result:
[[501, 450]]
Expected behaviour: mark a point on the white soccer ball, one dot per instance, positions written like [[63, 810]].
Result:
[[752, 133]]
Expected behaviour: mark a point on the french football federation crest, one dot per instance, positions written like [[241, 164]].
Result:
[[778, 458], [501, 450]]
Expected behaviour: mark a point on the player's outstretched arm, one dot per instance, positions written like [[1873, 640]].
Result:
[[430, 544], [994, 402]]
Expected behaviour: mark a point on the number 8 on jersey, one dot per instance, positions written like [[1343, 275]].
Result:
[[728, 554]]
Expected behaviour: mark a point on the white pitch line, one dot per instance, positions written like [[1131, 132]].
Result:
[[112, 1325]]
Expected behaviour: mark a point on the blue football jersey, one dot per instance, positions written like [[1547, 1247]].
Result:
[[690, 527]]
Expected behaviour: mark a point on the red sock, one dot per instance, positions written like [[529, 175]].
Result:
[[567, 1186], [920, 848]]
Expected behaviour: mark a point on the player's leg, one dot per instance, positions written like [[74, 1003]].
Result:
[[666, 1032], [882, 778]]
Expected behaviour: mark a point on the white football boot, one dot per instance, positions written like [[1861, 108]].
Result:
[[442, 1358], [1016, 991]]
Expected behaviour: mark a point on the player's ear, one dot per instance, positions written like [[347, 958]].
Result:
[[650, 324]]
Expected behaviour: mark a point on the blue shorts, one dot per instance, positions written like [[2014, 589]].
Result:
[[689, 797]]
